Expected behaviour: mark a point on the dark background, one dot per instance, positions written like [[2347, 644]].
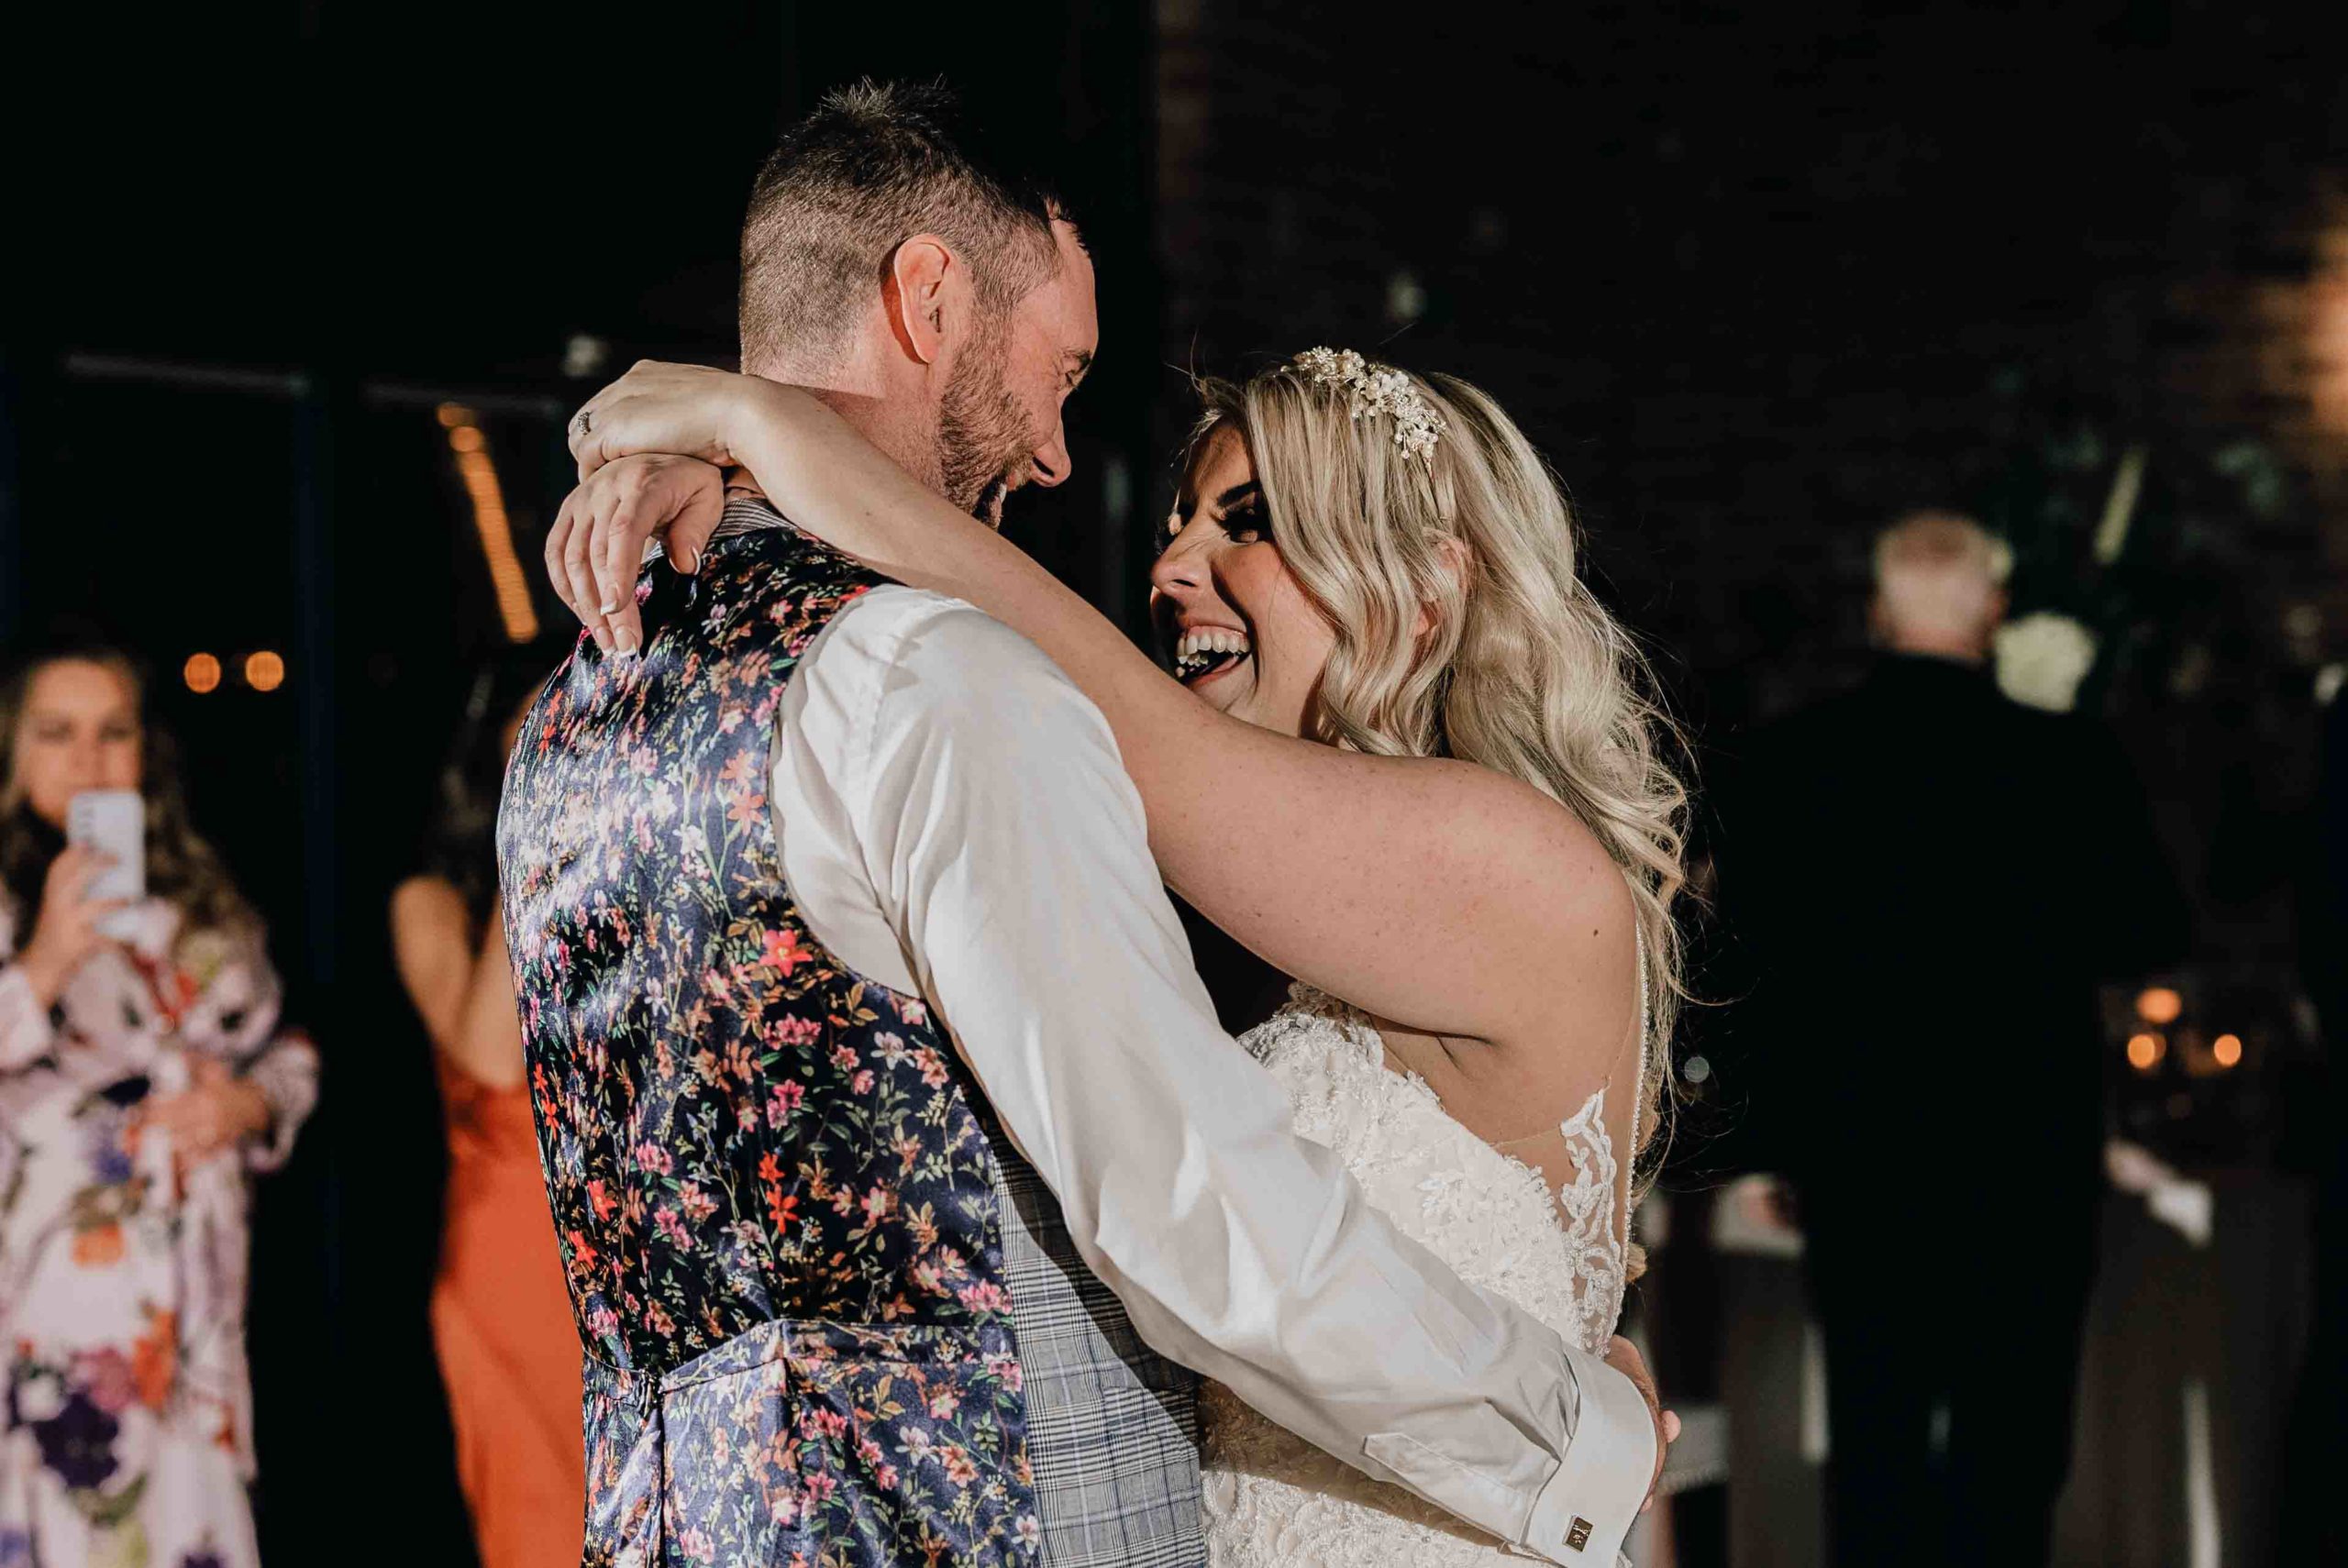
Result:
[[1755, 276]]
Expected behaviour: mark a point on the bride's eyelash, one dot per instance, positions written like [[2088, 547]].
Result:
[[1243, 525], [1247, 518]]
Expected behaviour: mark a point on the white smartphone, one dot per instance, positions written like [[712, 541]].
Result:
[[114, 822]]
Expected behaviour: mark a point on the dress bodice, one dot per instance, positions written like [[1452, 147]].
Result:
[[1488, 1215], [1271, 1498]]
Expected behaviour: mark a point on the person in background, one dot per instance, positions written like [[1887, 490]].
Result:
[[144, 1079], [501, 1315], [1930, 880]]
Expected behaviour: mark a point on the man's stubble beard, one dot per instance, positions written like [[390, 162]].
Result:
[[982, 436]]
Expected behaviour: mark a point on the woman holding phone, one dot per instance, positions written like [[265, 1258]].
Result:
[[144, 1079]]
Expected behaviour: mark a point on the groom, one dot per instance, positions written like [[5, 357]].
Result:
[[888, 1133]]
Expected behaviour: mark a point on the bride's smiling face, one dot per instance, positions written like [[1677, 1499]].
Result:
[[1245, 636]]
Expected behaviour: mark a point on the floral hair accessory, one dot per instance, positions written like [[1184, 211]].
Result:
[[1389, 393]]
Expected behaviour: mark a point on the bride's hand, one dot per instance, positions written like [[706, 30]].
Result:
[[1624, 1357], [683, 410], [596, 545]]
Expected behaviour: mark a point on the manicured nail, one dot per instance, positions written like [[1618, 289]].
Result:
[[612, 605], [627, 641], [603, 639]]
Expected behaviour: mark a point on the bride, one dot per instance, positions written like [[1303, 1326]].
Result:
[[1410, 761]]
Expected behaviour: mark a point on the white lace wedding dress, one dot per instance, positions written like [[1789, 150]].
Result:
[[1273, 1500]]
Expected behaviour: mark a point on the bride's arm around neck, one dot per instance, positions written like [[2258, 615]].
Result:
[[1426, 890]]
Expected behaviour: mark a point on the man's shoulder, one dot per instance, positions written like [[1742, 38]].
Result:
[[918, 623], [872, 614], [758, 548], [931, 651]]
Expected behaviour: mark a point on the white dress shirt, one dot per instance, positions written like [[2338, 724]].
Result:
[[955, 823]]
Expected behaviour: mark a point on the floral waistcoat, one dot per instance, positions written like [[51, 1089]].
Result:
[[776, 1203]]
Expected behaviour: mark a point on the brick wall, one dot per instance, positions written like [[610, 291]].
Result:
[[1757, 276]]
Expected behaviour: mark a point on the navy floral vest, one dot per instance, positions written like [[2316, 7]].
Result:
[[776, 1202]]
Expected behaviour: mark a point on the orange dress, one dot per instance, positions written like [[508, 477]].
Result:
[[509, 1349]]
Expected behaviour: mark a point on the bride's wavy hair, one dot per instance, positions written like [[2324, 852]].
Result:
[[1521, 669]]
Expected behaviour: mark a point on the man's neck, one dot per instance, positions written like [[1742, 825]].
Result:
[[859, 395]]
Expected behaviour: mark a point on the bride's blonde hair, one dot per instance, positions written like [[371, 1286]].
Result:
[[1521, 670]]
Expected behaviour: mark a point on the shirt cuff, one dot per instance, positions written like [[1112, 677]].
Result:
[[1587, 1509]]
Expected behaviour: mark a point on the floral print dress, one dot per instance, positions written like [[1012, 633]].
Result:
[[127, 1437]]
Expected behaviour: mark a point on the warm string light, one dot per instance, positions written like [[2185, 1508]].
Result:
[[263, 669], [467, 440], [2161, 1006]]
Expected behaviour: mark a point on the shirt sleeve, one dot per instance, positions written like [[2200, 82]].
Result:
[[30, 1080], [239, 1017], [286, 1073], [25, 1032], [995, 832]]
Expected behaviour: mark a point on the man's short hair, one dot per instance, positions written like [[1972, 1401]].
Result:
[[1939, 571], [873, 165]]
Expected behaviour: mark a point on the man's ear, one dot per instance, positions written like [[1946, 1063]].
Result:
[[919, 294]]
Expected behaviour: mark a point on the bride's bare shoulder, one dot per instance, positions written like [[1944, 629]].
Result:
[[1553, 880], [1545, 847]]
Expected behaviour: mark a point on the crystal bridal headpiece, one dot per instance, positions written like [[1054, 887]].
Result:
[[1389, 393]]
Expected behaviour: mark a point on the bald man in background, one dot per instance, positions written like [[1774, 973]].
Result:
[[1929, 881]]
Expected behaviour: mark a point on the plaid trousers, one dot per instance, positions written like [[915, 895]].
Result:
[[1113, 1428]]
